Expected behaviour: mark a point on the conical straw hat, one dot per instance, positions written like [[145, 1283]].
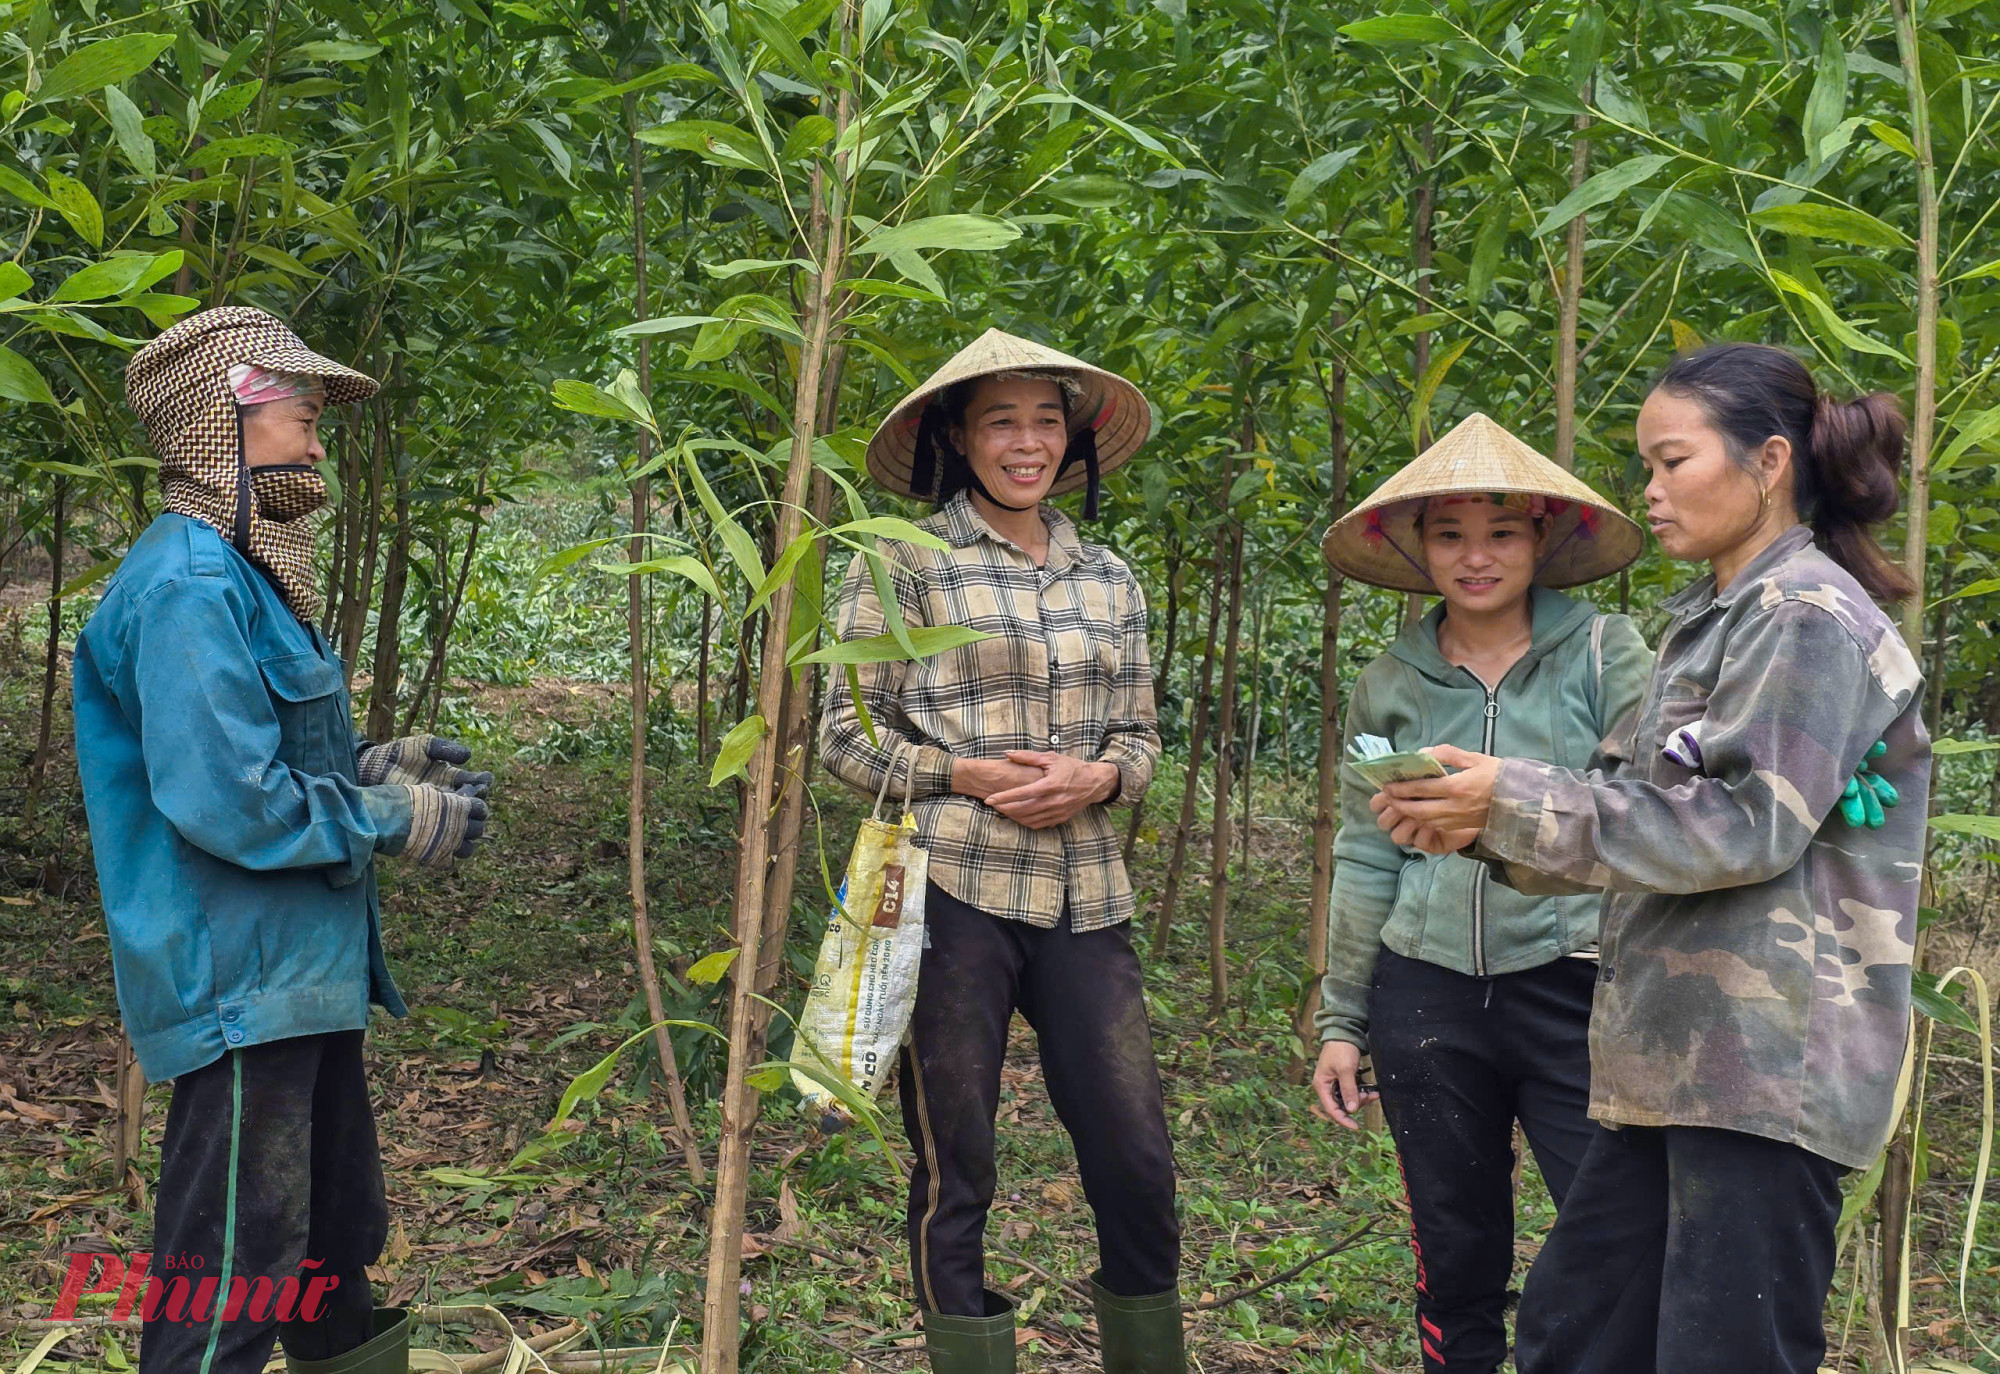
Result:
[[1377, 542], [1109, 403]]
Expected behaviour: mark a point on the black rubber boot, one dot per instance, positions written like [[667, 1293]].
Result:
[[1140, 1335], [972, 1345], [386, 1352]]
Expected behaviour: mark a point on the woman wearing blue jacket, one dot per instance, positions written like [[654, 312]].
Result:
[[1472, 1001], [236, 820]]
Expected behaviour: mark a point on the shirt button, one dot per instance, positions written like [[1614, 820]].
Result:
[[1607, 974], [231, 1013], [1055, 739], [233, 1035]]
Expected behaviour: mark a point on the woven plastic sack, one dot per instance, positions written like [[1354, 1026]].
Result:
[[865, 983]]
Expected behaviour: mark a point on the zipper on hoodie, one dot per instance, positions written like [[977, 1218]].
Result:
[[1479, 877]]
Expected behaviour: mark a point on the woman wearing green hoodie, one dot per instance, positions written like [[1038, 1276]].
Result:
[[1472, 1001]]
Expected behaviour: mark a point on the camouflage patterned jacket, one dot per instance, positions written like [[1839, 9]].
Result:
[[1756, 954]]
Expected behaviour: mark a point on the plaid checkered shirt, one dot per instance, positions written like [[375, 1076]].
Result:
[[1065, 670]]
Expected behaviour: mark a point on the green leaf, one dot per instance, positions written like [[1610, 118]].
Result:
[[892, 527], [912, 267], [926, 640], [109, 62], [1926, 998], [1827, 105], [128, 126], [162, 308], [1487, 248], [741, 547], [569, 557], [1093, 191], [868, 286], [1893, 137], [90, 576], [1401, 28], [1546, 93], [23, 190], [74, 203], [742, 265], [710, 968], [781, 42], [331, 50], [1427, 385], [1837, 223], [1972, 429], [736, 748], [1586, 43], [625, 390], [1606, 185], [1831, 322], [1316, 174], [975, 233], [111, 277], [659, 76], [244, 145], [1984, 587], [20, 382], [585, 399], [1946, 748], [227, 104], [14, 279], [1983, 827], [679, 564], [1619, 103], [808, 136], [723, 144]]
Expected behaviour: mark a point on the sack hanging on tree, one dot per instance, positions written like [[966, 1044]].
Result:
[[865, 984]]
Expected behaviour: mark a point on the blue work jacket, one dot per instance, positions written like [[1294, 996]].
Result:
[[235, 850]]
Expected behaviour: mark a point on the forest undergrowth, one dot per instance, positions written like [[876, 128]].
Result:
[[518, 968]]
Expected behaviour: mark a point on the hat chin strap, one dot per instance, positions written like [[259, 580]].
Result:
[[980, 487]]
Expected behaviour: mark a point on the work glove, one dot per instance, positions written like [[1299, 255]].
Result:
[[1868, 792], [443, 825], [421, 761]]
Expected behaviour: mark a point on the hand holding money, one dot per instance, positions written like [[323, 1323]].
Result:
[[1378, 763]]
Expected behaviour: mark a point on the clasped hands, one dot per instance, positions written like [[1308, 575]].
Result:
[[1035, 788], [1439, 815]]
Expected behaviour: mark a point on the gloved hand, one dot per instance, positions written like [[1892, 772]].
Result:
[[421, 761], [443, 825], [1868, 792]]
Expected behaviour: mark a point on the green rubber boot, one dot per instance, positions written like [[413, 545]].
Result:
[[1140, 1335], [972, 1345], [386, 1352]]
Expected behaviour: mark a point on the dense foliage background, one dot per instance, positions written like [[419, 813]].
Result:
[[640, 279]]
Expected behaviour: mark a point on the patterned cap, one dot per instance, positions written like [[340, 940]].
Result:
[[180, 386]]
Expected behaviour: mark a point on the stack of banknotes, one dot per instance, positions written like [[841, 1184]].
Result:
[[1378, 763]]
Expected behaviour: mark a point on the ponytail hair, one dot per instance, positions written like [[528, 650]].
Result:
[[1846, 455]]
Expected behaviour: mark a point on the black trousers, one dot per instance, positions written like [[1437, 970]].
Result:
[[1458, 1061], [271, 1193], [1684, 1250], [1082, 996]]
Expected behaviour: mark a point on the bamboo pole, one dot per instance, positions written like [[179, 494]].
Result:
[[38, 764], [1572, 304], [721, 1304]]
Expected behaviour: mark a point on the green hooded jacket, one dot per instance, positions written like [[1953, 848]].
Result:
[[1584, 670]]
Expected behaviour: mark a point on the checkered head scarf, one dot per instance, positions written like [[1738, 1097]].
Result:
[[190, 386]]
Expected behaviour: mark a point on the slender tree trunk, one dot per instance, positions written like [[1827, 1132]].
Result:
[[389, 620], [637, 623], [329, 607], [1326, 812], [38, 766], [1897, 1195], [433, 677], [1160, 673], [1197, 741], [1225, 736], [1421, 252], [1572, 302], [129, 1122], [364, 589], [1256, 727], [721, 1331], [701, 680], [797, 751]]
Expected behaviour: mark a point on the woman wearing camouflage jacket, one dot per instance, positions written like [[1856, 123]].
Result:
[[1753, 1002]]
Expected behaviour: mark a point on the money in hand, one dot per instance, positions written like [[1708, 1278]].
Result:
[[1378, 763]]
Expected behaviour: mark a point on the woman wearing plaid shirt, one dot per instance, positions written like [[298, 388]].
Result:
[[1019, 743]]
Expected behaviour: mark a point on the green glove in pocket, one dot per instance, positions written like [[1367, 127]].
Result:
[[1868, 793]]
